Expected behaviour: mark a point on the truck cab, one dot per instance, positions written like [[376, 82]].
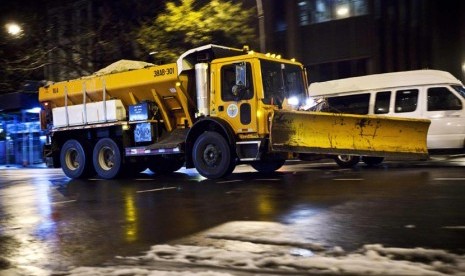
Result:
[[242, 93]]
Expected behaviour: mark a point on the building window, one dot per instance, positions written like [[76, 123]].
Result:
[[317, 11], [338, 70], [304, 13]]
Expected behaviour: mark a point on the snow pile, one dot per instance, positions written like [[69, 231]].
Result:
[[371, 260], [246, 247], [121, 66], [269, 247], [127, 271]]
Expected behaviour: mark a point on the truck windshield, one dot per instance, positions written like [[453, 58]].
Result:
[[281, 81]]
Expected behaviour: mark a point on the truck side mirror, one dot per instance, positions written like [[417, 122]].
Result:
[[240, 88], [241, 73]]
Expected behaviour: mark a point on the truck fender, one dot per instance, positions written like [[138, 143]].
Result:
[[208, 124]]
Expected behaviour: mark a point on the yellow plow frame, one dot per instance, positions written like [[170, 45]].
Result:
[[331, 133]]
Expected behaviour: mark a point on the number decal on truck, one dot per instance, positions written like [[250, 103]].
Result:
[[163, 72]]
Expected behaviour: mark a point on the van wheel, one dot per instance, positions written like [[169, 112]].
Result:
[[347, 161], [107, 158], [212, 155], [372, 160], [75, 159], [268, 166]]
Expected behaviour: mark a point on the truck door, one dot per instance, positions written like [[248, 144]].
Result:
[[236, 102]]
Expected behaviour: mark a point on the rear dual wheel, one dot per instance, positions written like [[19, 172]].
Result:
[[107, 158], [79, 161], [75, 159]]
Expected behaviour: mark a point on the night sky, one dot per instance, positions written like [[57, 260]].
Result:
[[20, 9]]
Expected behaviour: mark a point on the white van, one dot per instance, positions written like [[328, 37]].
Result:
[[428, 94]]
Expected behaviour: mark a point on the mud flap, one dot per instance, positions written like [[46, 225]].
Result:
[[331, 133]]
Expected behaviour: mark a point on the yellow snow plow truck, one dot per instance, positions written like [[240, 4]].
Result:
[[214, 108]]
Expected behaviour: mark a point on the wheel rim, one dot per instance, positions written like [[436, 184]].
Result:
[[72, 159], [106, 158], [211, 155], [344, 158]]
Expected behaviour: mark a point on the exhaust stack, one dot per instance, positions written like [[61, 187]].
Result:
[[203, 97]]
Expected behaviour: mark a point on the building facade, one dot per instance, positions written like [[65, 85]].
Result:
[[87, 35], [21, 138], [344, 38], [333, 38]]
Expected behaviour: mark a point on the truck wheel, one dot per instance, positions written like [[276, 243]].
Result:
[[372, 160], [347, 161], [268, 166], [212, 156], [166, 165], [74, 159], [107, 158]]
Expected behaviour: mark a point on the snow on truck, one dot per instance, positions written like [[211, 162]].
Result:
[[214, 108]]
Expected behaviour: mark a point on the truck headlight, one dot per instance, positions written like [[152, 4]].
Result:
[[294, 101], [310, 102]]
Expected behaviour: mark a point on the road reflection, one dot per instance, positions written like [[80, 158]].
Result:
[[131, 217], [53, 221], [29, 218]]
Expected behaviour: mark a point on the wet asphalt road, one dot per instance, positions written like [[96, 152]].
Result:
[[50, 221]]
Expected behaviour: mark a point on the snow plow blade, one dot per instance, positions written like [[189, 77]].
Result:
[[331, 133]]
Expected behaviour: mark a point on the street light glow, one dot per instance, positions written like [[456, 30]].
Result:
[[342, 11], [13, 29]]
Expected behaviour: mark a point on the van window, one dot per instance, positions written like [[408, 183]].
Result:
[[441, 98], [406, 100], [382, 102], [353, 104], [459, 89]]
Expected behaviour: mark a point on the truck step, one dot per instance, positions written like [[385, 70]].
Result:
[[172, 143], [172, 140]]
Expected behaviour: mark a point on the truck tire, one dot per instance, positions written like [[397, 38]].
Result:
[[166, 165], [347, 161], [268, 166], [212, 155], [372, 160], [107, 158], [75, 160]]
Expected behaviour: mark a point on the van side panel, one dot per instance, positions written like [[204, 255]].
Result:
[[446, 110]]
